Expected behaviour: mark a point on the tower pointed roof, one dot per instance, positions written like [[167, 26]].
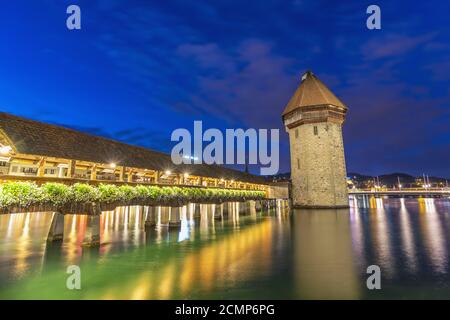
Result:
[[312, 92]]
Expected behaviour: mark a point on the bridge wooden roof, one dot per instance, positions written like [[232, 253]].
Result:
[[312, 92], [42, 139]]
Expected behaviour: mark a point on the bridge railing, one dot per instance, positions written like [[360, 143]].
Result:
[[399, 191]]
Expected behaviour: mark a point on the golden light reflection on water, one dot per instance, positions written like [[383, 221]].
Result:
[[235, 258], [381, 234], [325, 252], [17, 247], [218, 263], [421, 233], [407, 236], [22, 233], [433, 233], [357, 232]]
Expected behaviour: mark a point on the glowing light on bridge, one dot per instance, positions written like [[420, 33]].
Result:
[[5, 149]]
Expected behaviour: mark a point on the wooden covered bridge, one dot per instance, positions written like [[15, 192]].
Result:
[[32, 150], [41, 152]]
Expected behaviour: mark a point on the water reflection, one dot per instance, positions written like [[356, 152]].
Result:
[[357, 232], [431, 227], [408, 246], [381, 234], [224, 253], [323, 255]]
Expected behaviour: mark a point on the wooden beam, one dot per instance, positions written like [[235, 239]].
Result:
[[94, 172], [71, 168], [41, 169], [122, 171]]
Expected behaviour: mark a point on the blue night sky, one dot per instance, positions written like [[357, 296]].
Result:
[[137, 70]]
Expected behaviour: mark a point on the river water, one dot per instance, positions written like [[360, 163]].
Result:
[[303, 254]]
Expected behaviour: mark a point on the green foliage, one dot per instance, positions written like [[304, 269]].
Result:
[[127, 193], [27, 194], [57, 193], [154, 192], [20, 194], [108, 193], [167, 193], [85, 193]]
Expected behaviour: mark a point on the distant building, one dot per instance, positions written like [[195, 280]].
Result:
[[313, 119]]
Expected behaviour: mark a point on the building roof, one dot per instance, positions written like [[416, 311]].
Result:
[[312, 92], [42, 139]]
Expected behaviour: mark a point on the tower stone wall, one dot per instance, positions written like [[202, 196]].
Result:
[[318, 170]]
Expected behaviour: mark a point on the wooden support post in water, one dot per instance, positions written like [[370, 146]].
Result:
[[218, 211], [225, 208], [248, 206], [150, 221], [190, 211], [92, 234], [273, 204], [266, 205], [197, 210], [175, 217], [251, 204], [56, 232], [165, 213], [258, 206], [242, 207]]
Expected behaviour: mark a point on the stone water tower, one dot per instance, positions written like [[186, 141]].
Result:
[[313, 119]]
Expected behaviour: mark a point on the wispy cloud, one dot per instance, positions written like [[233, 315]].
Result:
[[394, 45], [244, 81]]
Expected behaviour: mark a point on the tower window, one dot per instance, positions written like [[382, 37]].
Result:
[[316, 131], [296, 133], [298, 163]]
